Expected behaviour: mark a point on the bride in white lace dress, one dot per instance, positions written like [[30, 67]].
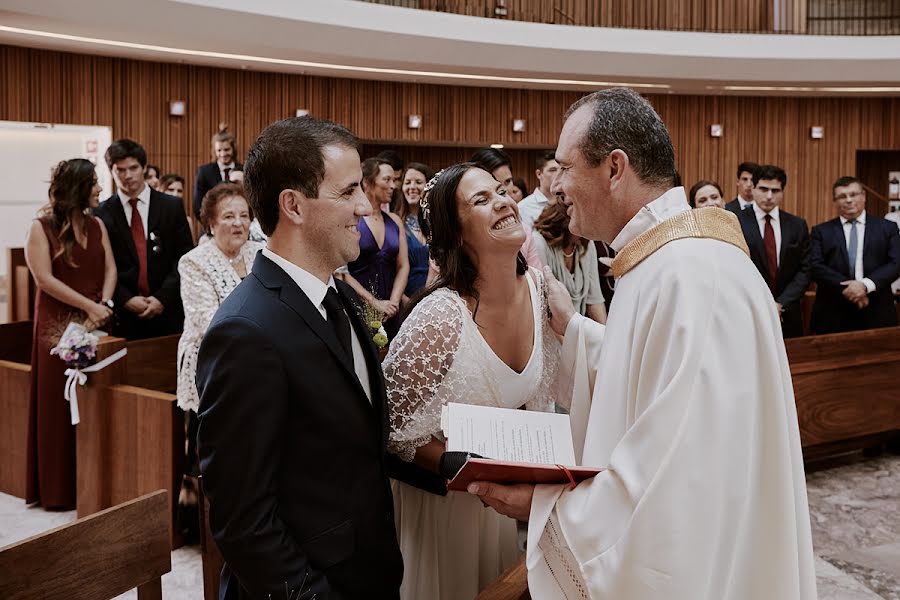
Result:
[[480, 337]]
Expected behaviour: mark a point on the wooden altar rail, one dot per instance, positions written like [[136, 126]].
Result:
[[95, 558], [15, 386], [131, 437], [20, 287]]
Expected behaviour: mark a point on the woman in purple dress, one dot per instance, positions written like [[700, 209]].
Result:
[[379, 274]]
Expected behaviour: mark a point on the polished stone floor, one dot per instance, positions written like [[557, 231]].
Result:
[[854, 509]]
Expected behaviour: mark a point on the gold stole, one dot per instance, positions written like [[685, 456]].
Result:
[[708, 222]]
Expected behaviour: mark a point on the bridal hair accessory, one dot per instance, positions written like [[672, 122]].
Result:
[[423, 203]]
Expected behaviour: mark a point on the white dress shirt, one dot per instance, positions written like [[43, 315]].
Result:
[[315, 289], [860, 238], [222, 170], [531, 207], [776, 226], [143, 206]]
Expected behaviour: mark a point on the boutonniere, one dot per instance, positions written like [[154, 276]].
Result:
[[156, 247]]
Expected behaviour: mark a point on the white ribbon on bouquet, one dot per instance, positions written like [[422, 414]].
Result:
[[78, 377]]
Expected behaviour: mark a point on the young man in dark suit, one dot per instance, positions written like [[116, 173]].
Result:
[[744, 196], [293, 412], [148, 232], [212, 174], [779, 246], [853, 260]]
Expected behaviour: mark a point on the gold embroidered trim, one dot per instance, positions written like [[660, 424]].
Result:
[[708, 222]]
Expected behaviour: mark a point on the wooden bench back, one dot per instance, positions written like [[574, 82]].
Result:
[[95, 558], [20, 287], [15, 342]]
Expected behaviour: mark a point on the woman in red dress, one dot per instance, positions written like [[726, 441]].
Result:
[[70, 258]]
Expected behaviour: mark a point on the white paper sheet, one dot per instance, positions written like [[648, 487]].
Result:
[[509, 435]]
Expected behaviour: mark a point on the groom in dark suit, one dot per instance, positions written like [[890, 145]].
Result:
[[148, 232], [293, 415], [779, 246]]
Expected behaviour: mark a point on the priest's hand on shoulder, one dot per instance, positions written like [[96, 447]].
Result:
[[560, 303], [510, 500]]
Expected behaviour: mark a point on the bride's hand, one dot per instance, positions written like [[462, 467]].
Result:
[[560, 303]]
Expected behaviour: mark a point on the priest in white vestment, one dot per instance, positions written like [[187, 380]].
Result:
[[704, 496]]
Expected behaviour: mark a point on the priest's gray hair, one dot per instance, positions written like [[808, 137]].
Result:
[[625, 121]]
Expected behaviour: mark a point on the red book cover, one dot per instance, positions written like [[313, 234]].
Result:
[[485, 469]]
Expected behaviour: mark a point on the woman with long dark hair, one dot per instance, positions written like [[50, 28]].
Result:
[[479, 335], [412, 182], [70, 258]]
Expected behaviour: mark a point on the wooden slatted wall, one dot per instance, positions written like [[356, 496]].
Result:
[[132, 97]]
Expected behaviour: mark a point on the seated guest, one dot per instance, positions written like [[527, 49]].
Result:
[[706, 193], [779, 246], [895, 217], [532, 206], [213, 173], [744, 187], [148, 233], [572, 260], [518, 190], [151, 176], [70, 259], [380, 273], [172, 185], [497, 163], [414, 178], [853, 260]]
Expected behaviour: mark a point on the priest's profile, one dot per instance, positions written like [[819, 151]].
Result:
[[685, 395]]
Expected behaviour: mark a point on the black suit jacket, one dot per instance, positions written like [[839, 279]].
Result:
[[793, 268], [208, 176], [291, 450], [169, 238], [734, 206], [830, 265]]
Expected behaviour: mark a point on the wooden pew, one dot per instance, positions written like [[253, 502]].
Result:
[[131, 437], [15, 390], [209, 552], [20, 287], [845, 386], [95, 558]]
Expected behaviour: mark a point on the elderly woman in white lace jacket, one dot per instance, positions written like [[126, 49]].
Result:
[[209, 273], [481, 336]]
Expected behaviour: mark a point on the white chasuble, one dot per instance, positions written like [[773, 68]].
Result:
[[688, 401]]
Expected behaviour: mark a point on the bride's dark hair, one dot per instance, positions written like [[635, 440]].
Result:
[[442, 227]]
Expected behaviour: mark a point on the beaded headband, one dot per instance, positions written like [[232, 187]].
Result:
[[423, 203]]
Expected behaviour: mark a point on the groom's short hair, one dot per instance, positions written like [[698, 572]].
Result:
[[624, 120], [288, 154]]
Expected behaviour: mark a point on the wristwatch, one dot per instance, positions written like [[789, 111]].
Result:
[[108, 302]]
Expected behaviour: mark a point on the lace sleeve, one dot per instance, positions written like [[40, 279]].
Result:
[[418, 362], [546, 397]]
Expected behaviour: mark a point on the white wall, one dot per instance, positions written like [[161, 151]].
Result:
[[28, 152]]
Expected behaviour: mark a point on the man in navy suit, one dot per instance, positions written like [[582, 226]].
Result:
[[293, 413], [148, 232], [779, 246], [853, 260], [744, 196]]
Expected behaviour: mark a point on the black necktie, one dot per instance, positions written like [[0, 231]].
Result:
[[338, 320]]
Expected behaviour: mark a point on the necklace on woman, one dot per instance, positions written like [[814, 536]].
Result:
[[569, 254], [235, 260]]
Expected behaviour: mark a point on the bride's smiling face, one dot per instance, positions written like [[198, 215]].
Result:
[[489, 217]]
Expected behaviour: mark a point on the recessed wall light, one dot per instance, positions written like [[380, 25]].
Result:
[[497, 146], [518, 125], [817, 132], [414, 121], [715, 130], [177, 108], [302, 112]]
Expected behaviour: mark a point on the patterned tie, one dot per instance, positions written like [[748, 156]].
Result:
[[851, 248], [226, 171], [140, 244], [771, 252], [338, 320]]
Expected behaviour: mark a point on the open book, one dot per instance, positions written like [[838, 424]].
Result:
[[519, 446]]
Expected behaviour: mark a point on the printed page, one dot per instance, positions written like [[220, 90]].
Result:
[[509, 435]]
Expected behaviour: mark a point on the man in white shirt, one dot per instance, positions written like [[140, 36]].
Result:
[[779, 246], [703, 496], [293, 413], [744, 187], [531, 207]]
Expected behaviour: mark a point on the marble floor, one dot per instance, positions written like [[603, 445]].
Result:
[[854, 508]]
